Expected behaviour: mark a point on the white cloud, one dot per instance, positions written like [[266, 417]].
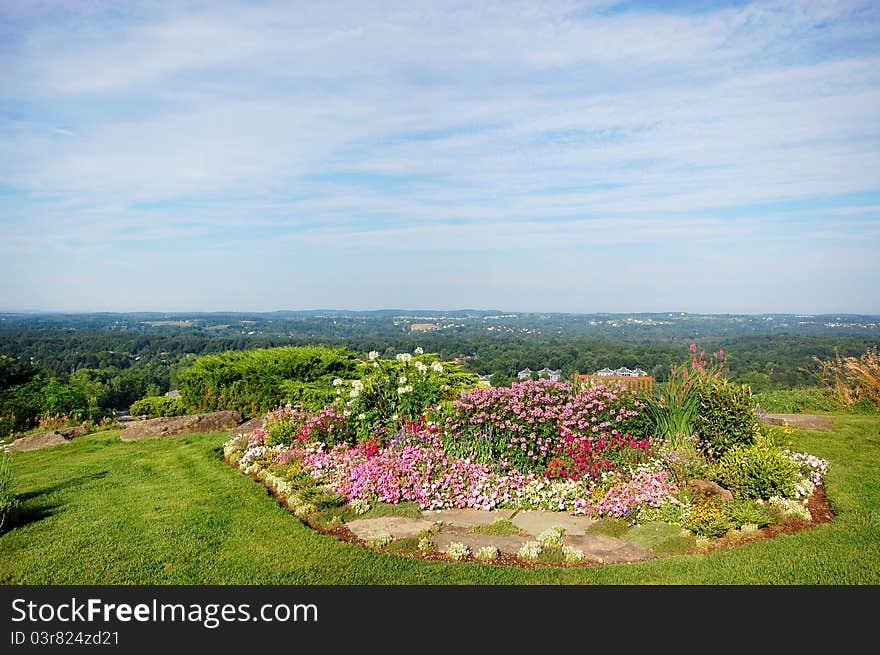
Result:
[[441, 126]]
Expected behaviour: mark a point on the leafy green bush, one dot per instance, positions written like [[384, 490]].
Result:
[[758, 471], [708, 517], [154, 406], [685, 460], [282, 432], [726, 415], [403, 387], [9, 503], [743, 512], [256, 381]]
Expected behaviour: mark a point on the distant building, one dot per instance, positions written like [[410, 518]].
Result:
[[172, 394], [423, 327], [554, 376], [485, 380], [633, 379]]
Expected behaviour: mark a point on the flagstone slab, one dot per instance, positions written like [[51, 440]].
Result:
[[468, 517], [506, 544], [398, 527], [607, 550], [535, 522]]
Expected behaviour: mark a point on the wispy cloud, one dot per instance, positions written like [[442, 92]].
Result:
[[459, 131]]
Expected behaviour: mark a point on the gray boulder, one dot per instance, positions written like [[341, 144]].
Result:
[[707, 488], [170, 426], [43, 439]]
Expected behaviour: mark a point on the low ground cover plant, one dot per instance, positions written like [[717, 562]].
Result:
[[415, 431]]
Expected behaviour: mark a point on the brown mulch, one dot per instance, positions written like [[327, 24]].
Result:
[[820, 510]]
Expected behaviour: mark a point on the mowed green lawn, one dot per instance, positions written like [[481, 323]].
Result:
[[101, 511]]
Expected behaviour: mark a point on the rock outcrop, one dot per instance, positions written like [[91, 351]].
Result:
[[247, 427], [163, 427], [708, 488], [43, 439], [809, 421]]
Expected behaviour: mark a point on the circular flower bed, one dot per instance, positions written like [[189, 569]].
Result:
[[417, 430]]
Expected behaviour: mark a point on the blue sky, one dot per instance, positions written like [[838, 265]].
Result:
[[528, 156]]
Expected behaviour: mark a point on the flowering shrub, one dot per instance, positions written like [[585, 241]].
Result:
[[790, 507], [698, 400], [421, 474], [580, 456], [327, 426], [555, 495], [811, 467], [684, 459], [404, 388], [520, 425], [623, 499]]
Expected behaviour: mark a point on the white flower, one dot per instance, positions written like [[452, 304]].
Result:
[[354, 393], [402, 379], [361, 416], [408, 388], [358, 385], [359, 506], [437, 366], [457, 551], [551, 537], [395, 417], [530, 550], [572, 555], [400, 391], [374, 354], [403, 357], [337, 382], [487, 553], [422, 368], [419, 351]]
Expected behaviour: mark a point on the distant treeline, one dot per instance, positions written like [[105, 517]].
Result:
[[87, 370]]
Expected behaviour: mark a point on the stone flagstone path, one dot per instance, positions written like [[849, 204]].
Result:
[[454, 524]]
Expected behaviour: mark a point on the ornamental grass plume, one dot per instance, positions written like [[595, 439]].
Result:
[[852, 379]]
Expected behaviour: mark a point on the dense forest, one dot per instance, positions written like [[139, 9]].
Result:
[[90, 365]]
